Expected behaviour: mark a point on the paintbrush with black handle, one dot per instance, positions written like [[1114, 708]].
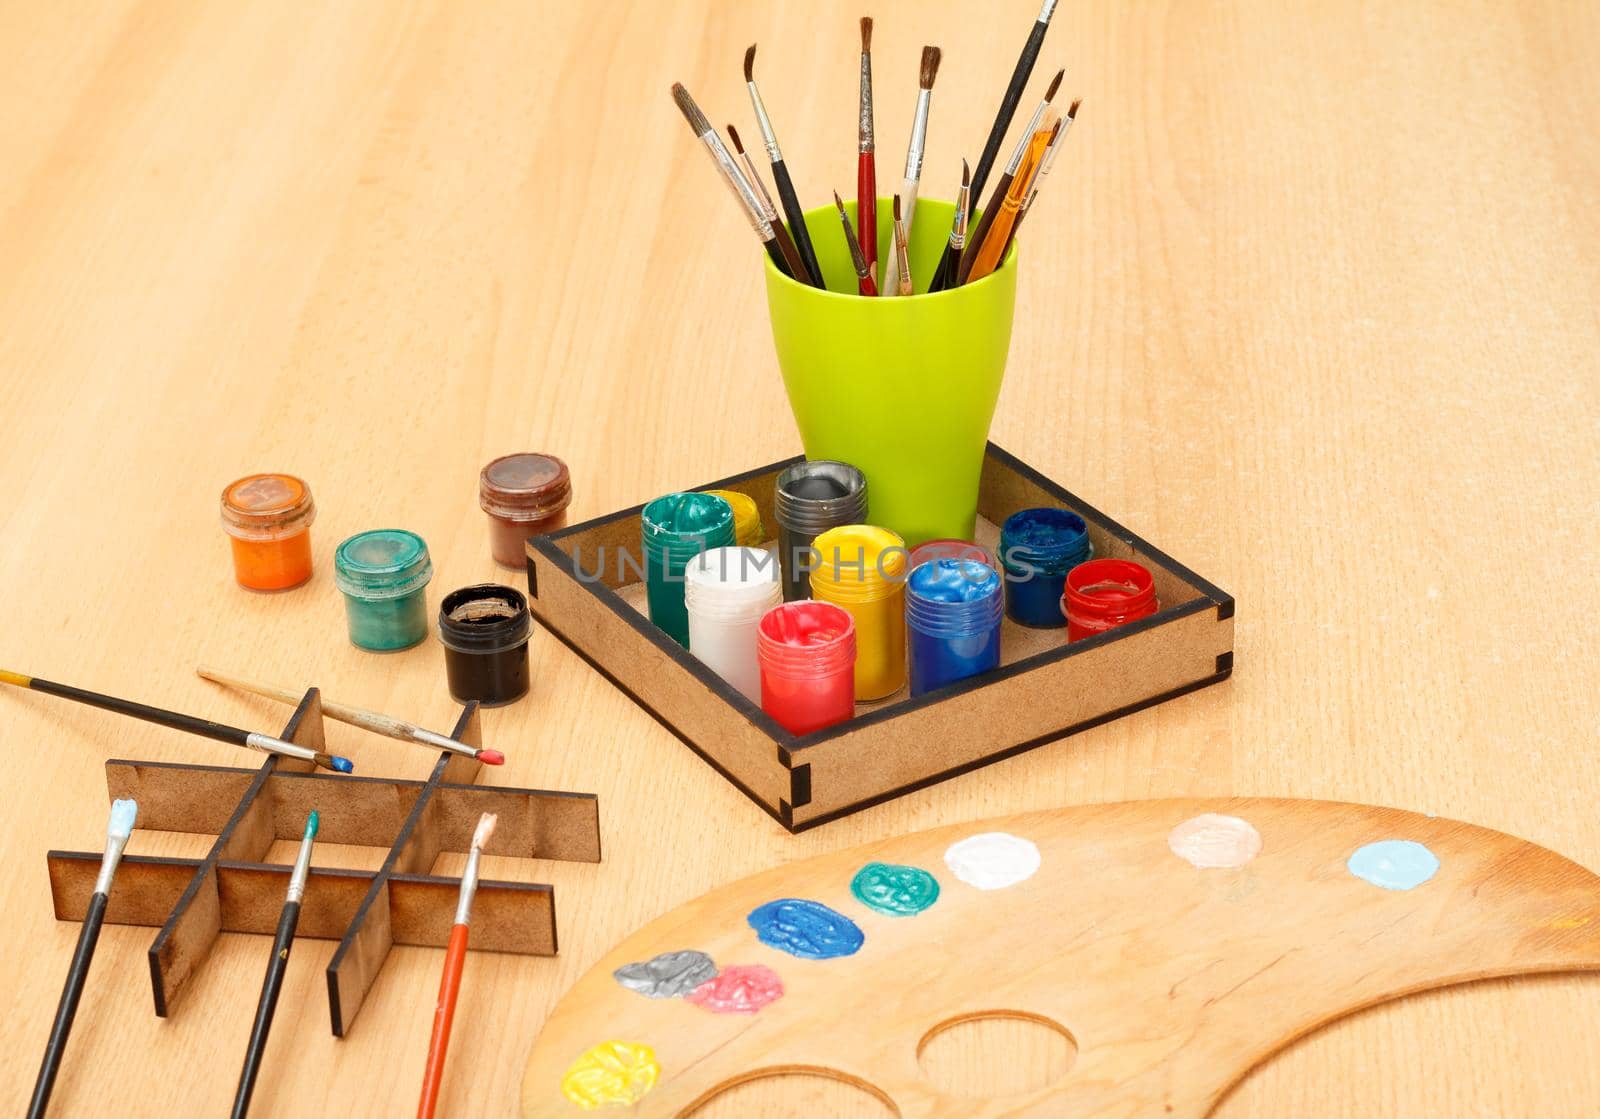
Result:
[[780, 175]]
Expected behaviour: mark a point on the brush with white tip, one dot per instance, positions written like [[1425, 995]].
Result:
[[454, 958], [913, 172], [288, 920], [123, 814]]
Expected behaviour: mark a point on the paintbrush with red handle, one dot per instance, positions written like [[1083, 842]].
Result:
[[450, 984], [867, 167]]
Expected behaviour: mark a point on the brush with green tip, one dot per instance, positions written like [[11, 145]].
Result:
[[275, 969]]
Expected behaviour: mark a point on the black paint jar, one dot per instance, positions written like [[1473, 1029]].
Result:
[[484, 631]]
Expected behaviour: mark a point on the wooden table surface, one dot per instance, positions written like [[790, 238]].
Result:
[[1310, 302]]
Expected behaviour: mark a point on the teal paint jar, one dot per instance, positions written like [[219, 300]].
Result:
[[674, 530], [384, 576]]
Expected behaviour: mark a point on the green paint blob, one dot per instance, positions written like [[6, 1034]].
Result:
[[899, 891]]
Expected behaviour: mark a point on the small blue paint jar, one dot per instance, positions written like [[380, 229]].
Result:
[[953, 613], [384, 574], [1037, 549]]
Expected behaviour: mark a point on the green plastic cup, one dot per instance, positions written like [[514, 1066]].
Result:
[[902, 388]]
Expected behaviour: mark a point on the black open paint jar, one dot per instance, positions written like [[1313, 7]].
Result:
[[484, 631]]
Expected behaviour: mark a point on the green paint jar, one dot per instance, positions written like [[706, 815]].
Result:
[[674, 530], [384, 576]]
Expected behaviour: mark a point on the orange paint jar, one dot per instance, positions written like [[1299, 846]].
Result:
[[268, 520]]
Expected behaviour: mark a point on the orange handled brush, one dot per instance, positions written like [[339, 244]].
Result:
[[455, 958]]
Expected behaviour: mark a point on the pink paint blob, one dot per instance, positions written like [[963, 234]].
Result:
[[741, 989]]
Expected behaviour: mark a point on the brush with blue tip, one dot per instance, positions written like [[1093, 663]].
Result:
[[203, 727], [123, 814], [276, 966]]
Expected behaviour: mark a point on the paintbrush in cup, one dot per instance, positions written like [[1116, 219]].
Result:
[[742, 190], [992, 251], [902, 258], [928, 71], [780, 174], [866, 164], [118, 829], [958, 235], [1003, 187], [1049, 161], [791, 255], [865, 282]]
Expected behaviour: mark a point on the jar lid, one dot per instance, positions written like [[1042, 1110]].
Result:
[[820, 494], [687, 519], [382, 563], [485, 618], [525, 487], [267, 506], [856, 561]]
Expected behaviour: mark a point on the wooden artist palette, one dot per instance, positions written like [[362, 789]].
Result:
[[1162, 983]]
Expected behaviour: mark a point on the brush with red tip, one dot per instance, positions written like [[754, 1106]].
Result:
[[374, 721], [450, 984]]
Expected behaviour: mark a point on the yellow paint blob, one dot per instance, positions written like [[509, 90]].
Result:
[[862, 569], [613, 1072]]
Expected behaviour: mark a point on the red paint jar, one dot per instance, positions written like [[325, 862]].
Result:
[[1105, 593], [807, 653], [525, 495], [930, 550]]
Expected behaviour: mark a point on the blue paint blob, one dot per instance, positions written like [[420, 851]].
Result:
[[343, 765], [1394, 864], [807, 929], [899, 891]]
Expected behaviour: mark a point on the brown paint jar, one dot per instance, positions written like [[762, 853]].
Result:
[[525, 495]]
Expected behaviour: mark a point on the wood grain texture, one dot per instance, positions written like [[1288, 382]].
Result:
[[1168, 982], [1309, 301]]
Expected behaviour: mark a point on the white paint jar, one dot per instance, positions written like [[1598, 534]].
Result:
[[726, 591]]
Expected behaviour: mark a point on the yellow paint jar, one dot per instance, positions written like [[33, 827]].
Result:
[[862, 568], [748, 530]]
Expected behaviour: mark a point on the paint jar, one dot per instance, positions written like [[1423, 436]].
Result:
[[674, 529], [268, 521], [862, 568], [525, 495], [950, 549], [807, 652], [726, 591], [484, 630], [1037, 549], [384, 575], [811, 498], [748, 531], [1104, 594], [953, 612]]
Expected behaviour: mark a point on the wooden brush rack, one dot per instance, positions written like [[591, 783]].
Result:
[[232, 890]]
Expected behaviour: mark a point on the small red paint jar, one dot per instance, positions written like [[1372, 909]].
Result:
[[268, 521], [1103, 594], [930, 550], [525, 495], [807, 654]]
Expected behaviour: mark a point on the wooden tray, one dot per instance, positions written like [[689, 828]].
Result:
[[1045, 689]]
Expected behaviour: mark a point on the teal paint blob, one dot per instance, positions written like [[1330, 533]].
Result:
[[899, 891], [1394, 864], [384, 575], [806, 929]]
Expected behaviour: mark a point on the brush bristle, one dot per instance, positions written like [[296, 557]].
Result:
[[123, 814], [691, 112], [866, 34], [966, 174], [313, 822], [839, 202], [750, 63], [1072, 112], [1055, 84], [897, 207], [486, 823], [930, 65], [733, 134]]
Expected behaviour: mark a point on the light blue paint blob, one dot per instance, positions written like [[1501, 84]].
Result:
[[899, 891], [1394, 864], [807, 929]]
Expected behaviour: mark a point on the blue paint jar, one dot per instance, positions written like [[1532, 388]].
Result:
[[953, 613], [384, 575], [1037, 549]]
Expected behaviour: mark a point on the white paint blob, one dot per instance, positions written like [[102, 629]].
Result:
[[993, 860], [1215, 842]]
